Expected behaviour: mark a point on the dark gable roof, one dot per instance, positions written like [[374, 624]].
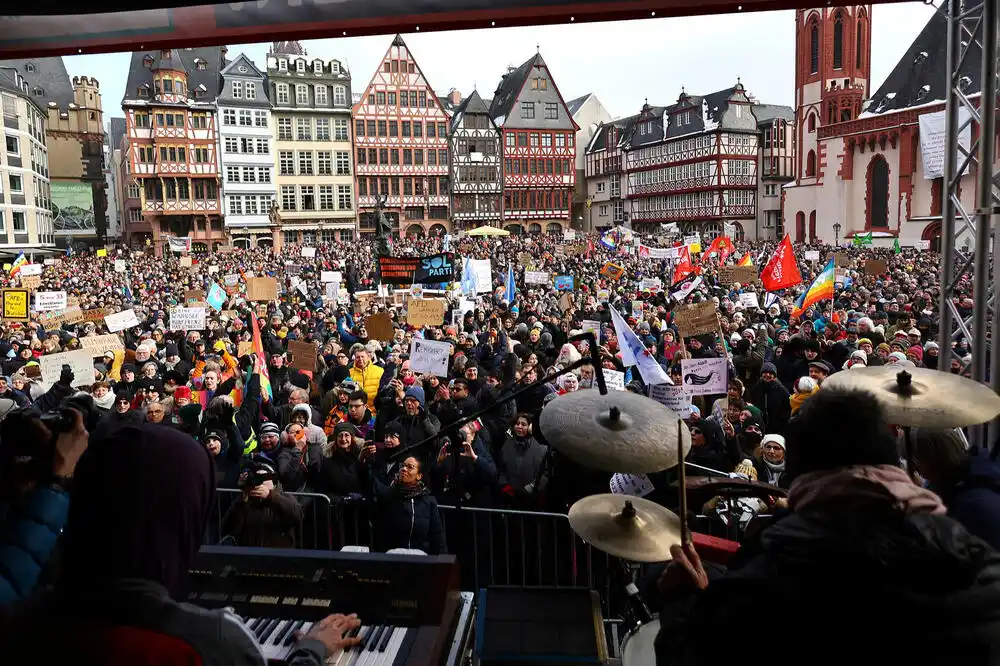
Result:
[[50, 75], [574, 104], [139, 74], [765, 113], [510, 85], [602, 135], [704, 109], [919, 76], [116, 131], [472, 104]]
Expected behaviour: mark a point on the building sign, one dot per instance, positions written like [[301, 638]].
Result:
[[72, 207]]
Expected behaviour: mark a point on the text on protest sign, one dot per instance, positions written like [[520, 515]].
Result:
[[187, 319], [429, 357], [79, 361], [121, 320], [50, 300], [704, 376]]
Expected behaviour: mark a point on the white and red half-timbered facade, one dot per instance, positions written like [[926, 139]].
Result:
[[539, 149], [401, 148], [694, 163], [172, 138], [603, 170], [475, 165]]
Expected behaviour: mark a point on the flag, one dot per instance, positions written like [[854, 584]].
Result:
[[684, 267], [127, 293], [610, 239], [782, 270], [770, 299], [635, 353], [723, 246], [896, 248], [468, 278], [509, 288], [747, 260], [861, 241], [682, 289], [259, 360], [821, 289], [16, 266]]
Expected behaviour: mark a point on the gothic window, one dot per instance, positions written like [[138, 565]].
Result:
[[838, 41], [812, 122], [811, 164], [800, 227], [813, 47], [858, 55], [878, 193]]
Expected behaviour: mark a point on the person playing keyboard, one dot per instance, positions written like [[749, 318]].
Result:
[[139, 504]]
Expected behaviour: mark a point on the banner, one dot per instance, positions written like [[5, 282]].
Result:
[[179, 245], [434, 269], [397, 270]]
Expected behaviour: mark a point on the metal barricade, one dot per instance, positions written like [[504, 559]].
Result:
[[313, 531]]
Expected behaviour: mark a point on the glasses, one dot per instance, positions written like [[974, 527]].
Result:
[[771, 447], [408, 466]]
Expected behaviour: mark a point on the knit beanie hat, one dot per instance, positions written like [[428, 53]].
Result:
[[417, 393], [768, 367], [747, 469], [344, 426], [269, 428]]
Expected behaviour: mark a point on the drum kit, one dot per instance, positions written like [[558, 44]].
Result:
[[625, 432]]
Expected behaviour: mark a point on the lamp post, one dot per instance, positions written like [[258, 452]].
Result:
[[836, 234], [246, 234]]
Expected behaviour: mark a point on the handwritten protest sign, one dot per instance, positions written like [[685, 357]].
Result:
[[187, 319], [15, 305], [697, 319], [121, 320], [425, 312], [98, 344], [429, 356]]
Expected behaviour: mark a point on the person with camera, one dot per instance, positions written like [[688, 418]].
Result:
[[474, 481], [37, 459], [264, 516]]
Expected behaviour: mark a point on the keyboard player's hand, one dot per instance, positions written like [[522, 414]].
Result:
[[331, 631]]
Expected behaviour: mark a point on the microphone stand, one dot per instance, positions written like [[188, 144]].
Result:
[[452, 429]]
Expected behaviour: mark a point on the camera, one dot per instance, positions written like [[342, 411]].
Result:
[[256, 471]]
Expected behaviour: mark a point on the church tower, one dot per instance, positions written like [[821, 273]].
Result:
[[832, 75]]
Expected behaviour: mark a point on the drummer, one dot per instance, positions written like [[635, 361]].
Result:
[[849, 566]]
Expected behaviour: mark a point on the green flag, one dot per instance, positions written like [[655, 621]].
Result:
[[896, 248]]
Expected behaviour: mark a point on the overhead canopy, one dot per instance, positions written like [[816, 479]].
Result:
[[41, 27], [487, 231]]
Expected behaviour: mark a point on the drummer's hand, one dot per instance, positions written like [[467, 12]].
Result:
[[685, 571]]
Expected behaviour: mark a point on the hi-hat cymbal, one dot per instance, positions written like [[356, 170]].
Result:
[[617, 432], [628, 527], [922, 398]]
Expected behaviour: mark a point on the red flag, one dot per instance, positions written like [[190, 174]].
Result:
[[684, 266], [723, 246], [782, 270]]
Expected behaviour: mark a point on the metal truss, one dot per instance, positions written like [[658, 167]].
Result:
[[967, 237]]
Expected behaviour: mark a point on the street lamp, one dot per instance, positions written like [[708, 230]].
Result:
[[836, 234]]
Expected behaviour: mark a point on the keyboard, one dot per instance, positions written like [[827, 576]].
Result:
[[411, 610]]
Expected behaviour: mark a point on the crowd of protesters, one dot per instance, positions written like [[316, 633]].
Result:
[[337, 428]]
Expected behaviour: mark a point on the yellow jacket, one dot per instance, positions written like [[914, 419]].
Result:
[[368, 378]]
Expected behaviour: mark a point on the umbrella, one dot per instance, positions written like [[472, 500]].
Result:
[[488, 231]]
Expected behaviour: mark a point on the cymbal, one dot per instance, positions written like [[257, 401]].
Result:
[[628, 527], [617, 432], [922, 398]]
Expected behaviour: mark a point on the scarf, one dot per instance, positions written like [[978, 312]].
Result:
[[872, 483], [107, 402], [409, 491]]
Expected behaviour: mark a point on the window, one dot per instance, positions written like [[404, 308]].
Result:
[[246, 145], [237, 90], [303, 129], [300, 66], [546, 140], [302, 95], [318, 67], [370, 128], [393, 128], [813, 47], [287, 197], [305, 163], [442, 157], [16, 183], [858, 55], [229, 116], [560, 140], [509, 140], [603, 210], [407, 156], [246, 118], [539, 83], [432, 157], [340, 129], [322, 98], [418, 156], [359, 127], [264, 174], [527, 110], [324, 163], [838, 41], [418, 129], [13, 147], [601, 187], [250, 203], [383, 128], [380, 98], [19, 221], [283, 93], [346, 235], [260, 118], [431, 131], [361, 156], [344, 197], [232, 174], [406, 128], [551, 111], [249, 174], [322, 129], [878, 193], [286, 163], [308, 197], [235, 205], [284, 129], [812, 122], [142, 119], [811, 164], [343, 163], [339, 95], [232, 145], [326, 197], [263, 147], [534, 139], [282, 65], [394, 157], [251, 89]]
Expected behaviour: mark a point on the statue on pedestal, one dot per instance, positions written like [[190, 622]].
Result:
[[383, 228]]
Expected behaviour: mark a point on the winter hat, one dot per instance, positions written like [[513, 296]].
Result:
[[417, 393], [775, 439], [182, 392], [746, 468], [270, 428], [171, 350], [344, 426], [805, 385], [302, 409], [769, 367], [897, 356], [298, 380], [214, 434]]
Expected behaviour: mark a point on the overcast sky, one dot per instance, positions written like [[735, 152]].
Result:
[[623, 62]]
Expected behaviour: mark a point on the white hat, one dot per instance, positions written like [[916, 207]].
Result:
[[774, 439]]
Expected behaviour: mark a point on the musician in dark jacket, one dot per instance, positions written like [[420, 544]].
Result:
[[408, 513], [866, 567]]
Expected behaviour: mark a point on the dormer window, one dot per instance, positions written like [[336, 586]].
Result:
[[923, 92], [147, 62], [282, 65], [165, 54], [318, 67], [38, 92], [300, 66], [335, 67], [143, 92], [29, 67]]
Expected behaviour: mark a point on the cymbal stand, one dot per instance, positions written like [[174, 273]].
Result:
[[682, 487]]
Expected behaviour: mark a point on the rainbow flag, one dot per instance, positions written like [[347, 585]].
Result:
[[747, 260], [261, 359], [16, 266], [821, 289]]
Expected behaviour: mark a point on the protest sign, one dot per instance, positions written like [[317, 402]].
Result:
[[187, 319], [80, 362], [697, 319], [50, 300], [303, 355], [704, 376], [98, 344], [15, 305], [262, 289], [429, 357], [121, 320], [425, 312]]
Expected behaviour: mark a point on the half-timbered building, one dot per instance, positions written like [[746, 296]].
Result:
[[401, 148], [861, 166], [694, 163], [475, 165], [311, 111], [539, 149], [776, 168], [605, 175], [169, 107]]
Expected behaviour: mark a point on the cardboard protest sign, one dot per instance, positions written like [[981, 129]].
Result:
[[379, 327], [697, 319], [875, 267], [15, 305], [262, 289], [425, 312], [743, 274], [303, 355], [31, 282], [98, 344]]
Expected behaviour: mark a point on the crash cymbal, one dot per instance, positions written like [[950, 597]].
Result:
[[922, 398], [617, 432], [628, 527]]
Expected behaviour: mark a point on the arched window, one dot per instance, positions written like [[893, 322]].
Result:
[[812, 122], [800, 227], [878, 193], [814, 47], [838, 41], [811, 164], [812, 227], [859, 60]]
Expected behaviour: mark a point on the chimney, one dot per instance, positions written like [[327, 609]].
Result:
[[454, 97]]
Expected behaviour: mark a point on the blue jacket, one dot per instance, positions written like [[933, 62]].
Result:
[[28, 532]]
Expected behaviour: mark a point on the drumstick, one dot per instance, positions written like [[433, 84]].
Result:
[[682, 486]]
